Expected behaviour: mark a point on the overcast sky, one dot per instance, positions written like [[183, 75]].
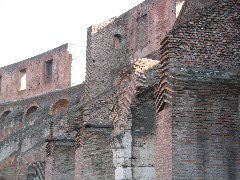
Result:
[[31, 27]]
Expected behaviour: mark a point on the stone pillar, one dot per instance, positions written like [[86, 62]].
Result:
[[49, 160], [122, 155], [121, 117], [49, 168], [78, 156], [64, 159]]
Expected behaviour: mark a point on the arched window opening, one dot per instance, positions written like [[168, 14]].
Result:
[[5, 114], [31, 110], [117, 41], [59, 106], [179, 6]]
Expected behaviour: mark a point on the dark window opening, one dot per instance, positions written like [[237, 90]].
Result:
[[48, 70], [117, 41], [31, 110], [5, 114]]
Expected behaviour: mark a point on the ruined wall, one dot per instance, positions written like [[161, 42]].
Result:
[[208, 43], [23, 134], [38, 80], [64, 162], [144, 135], [113, 44], [205, 130], [164, 140], [110, 128], [197, 101], [133, 117], [190, 8], [97, 155]]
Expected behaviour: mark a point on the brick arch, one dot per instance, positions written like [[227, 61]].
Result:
[[5, 114], [31, 110], [36, 170], [59, 106]]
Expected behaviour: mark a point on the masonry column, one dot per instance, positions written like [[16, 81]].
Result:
[[79, 156], [64, 159], [122, 138], [60, 160], [122, 155], [49, 160]]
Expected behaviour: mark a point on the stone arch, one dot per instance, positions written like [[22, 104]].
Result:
[[31, 110], [5, 114], [36, 171], [59, 106]]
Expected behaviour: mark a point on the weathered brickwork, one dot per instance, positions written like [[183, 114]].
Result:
[[23, 136], [141, 30], [38, 80], [202, 57], [161, 100], [144, 135], [206, 130]]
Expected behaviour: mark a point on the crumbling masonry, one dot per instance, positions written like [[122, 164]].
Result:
[[161, 100]]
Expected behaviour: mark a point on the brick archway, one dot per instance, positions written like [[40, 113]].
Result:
[[59, 106]]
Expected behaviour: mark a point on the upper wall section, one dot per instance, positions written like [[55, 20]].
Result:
[[206, 46], [136, 33], [208, 43], [35, 76], [190, 8]]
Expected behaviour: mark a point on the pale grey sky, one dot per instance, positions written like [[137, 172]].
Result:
[[31, 27]]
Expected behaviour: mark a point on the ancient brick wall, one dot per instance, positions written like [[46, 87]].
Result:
[[64, 162], [208, 42], [144, 135], [44, 73], [164, 124], [97, 155], [23, 132], [190, 8], [172, 115], [164, 140], [205, 130], [133, 118], [136, 33], [200, 81]]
